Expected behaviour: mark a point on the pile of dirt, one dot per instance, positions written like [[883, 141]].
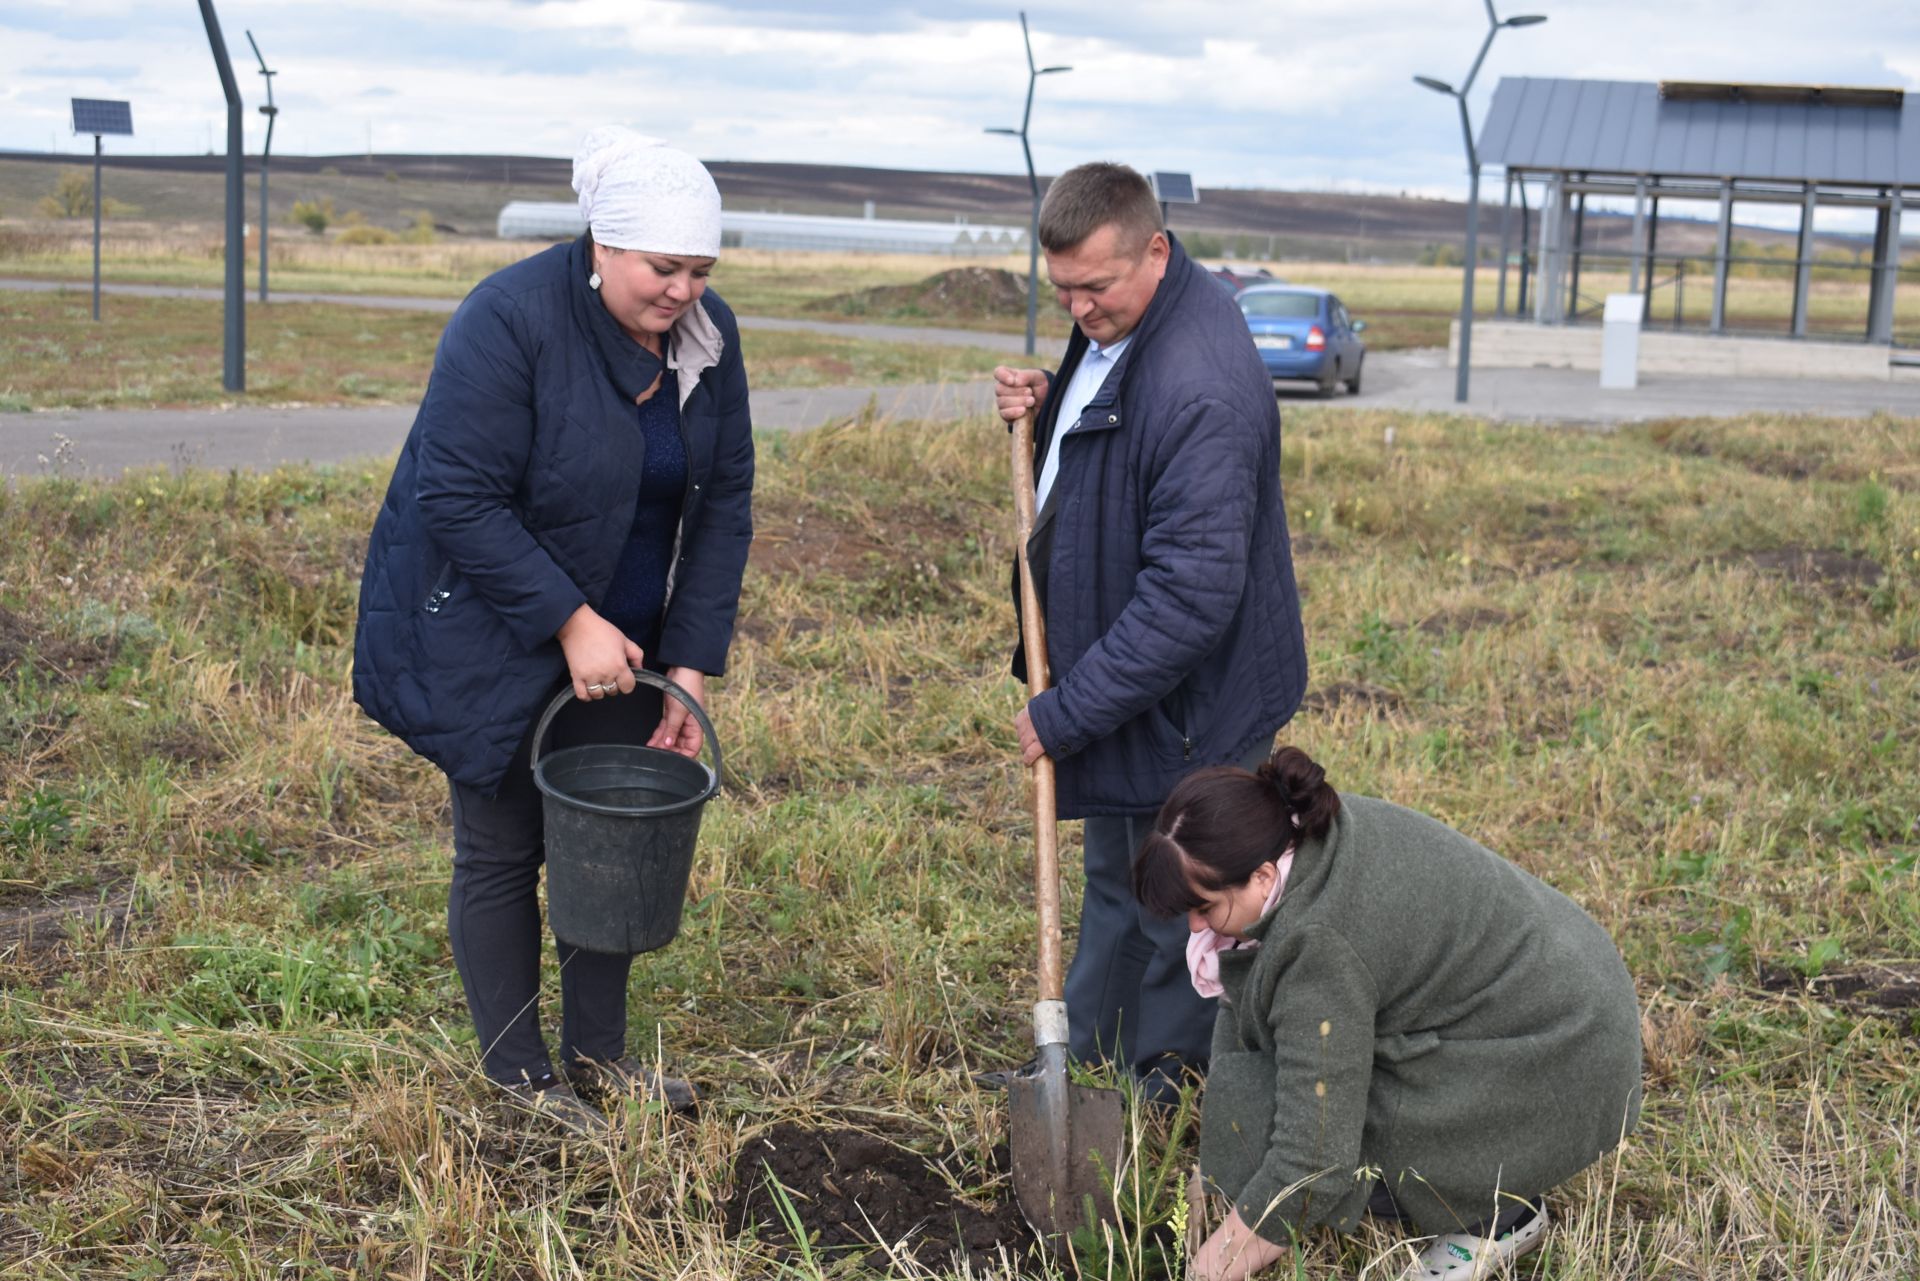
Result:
[[964, 293], [852, 1191]]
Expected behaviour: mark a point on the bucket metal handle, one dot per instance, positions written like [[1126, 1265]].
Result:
[[666, 686]]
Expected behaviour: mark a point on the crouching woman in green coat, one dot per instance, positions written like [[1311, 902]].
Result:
[[1409, 1024]]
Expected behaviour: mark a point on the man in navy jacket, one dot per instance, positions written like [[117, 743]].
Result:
[[1162, 563]]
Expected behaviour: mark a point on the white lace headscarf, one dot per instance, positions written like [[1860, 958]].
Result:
[[638, 193]]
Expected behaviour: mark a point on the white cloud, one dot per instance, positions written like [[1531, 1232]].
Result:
[[1286, 93]]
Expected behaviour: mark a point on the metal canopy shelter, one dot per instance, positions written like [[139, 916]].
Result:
[[1805, 145]]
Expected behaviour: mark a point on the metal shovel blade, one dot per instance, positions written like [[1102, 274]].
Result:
[[1062, 1136]]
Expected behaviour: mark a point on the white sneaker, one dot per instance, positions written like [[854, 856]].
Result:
[[1458, 1256]]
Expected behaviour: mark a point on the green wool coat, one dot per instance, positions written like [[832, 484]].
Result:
[[1418, 1010]]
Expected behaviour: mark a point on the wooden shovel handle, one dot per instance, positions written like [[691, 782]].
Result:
[[1033, 638]]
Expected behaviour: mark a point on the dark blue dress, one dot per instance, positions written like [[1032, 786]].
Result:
[[637, 597]]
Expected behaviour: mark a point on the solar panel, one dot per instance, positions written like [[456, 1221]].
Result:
[[1174, 188], [102, 115]]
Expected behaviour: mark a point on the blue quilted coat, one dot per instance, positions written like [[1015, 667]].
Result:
[[511, 503], [1162, 559]]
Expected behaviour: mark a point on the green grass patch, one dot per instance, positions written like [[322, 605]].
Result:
[[1673, 670]]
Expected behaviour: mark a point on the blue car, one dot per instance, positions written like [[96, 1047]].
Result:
[[1304, 333]]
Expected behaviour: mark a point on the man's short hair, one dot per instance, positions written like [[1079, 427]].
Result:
[[1087, 197]]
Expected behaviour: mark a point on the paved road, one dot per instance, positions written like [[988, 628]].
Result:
[[108, 441], [1421, 381]]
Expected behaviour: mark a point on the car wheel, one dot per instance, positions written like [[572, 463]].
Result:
[[1353, 383]]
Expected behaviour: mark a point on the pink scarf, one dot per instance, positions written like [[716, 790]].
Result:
[[1204, 947]]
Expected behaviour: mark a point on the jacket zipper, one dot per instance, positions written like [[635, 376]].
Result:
[[1179, 720], [437, 595]]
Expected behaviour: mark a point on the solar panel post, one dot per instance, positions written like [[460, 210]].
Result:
[[100, 116], [96, 226], [234, 366]]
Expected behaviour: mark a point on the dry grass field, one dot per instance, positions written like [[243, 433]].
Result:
[[166, 353], [1673, 670], [1404, 305]]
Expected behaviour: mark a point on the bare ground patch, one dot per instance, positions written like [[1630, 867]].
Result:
[[1820, 567], [35, 933], [22, 640], [1360, 694], [1449, 622], [1877, 987], [852, 1190]]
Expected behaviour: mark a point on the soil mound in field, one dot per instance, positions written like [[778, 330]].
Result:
[[964, 293], [853, 1190]]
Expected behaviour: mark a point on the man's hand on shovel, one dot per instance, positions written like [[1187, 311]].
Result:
[[1031, 748]]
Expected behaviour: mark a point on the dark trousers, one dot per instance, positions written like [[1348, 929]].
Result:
[[493, 911], [1130, 998]]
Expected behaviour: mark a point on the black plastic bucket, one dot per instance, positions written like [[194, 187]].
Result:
[[621, 825]]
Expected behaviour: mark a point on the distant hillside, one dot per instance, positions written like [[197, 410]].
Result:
[[464, 193]]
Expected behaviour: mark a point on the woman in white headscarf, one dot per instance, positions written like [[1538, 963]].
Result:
[[573, 500]]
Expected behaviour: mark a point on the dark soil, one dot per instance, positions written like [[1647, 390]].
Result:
[[1327, 697], [809, 543], [64, 658], [1818, 567], [35, 933], [1462, 621], [962, 294], [852, 1190], [1885, 987]]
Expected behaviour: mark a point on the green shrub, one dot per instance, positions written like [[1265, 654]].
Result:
[[367, 234], [314, 215], [421, 232], [72, 196]]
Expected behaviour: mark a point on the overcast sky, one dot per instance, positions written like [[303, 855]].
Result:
[[1272, 93]]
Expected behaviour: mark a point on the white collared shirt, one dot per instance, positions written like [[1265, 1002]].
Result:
[[1088, 377]]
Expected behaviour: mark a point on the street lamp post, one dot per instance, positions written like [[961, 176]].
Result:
[[234, 363], [269, 111], [1494, 24], [1033, 183]]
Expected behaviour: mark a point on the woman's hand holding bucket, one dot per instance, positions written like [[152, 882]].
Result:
[[679, 731], [600, 658]]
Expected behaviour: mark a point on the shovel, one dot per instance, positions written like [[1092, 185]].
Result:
[[1060, 1134]]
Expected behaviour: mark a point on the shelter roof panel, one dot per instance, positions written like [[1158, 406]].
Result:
[[1557, 116], [1642, 115], [1909, 144], [1880, 144], [1702, 134], [1787, 129], [1497, 133], [1587, 142], [1834, 134]]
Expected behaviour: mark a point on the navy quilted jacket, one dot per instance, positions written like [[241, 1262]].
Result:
[[512, 500], [1173, 622]]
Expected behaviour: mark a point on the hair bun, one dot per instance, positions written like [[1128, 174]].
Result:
[[1302, 784]]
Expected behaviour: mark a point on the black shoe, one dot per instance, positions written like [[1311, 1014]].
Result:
[[1001, 1078], [627, 1077], [548, 1096]]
